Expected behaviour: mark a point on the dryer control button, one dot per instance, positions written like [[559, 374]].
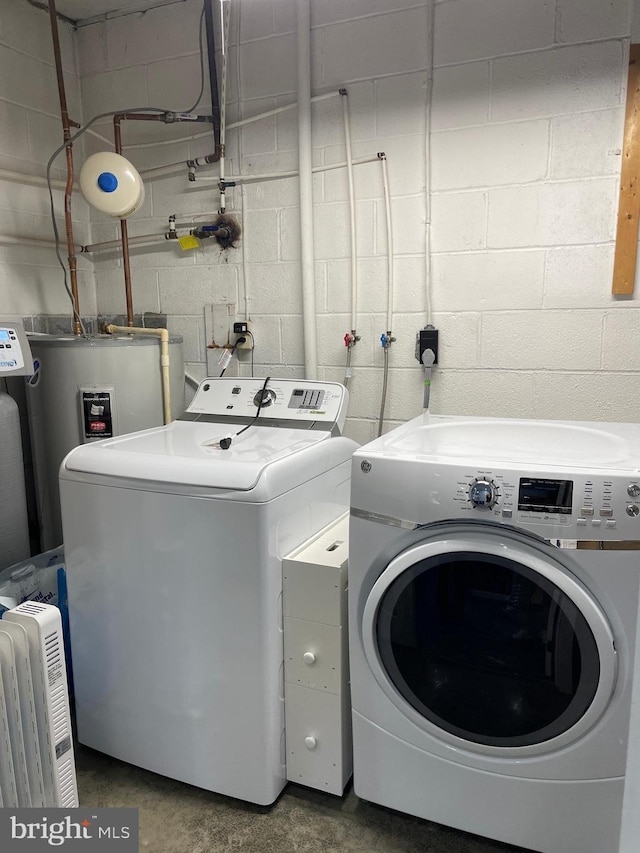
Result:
[[633, 510], [581, 522], [610, 523], [633, 490]]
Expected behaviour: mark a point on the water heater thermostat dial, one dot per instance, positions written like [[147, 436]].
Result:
[[483, 493]]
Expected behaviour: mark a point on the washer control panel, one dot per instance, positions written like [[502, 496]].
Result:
[[285, 400], [597, 504]]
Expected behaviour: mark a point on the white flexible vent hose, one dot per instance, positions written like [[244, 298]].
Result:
[[14, 527]]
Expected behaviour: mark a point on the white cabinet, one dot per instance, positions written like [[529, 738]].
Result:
[[316, 661]]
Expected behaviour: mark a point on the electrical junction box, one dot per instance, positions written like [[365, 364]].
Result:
[[427, 338], [316, 661]]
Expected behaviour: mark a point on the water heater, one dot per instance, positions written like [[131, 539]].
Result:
[[87, 388]]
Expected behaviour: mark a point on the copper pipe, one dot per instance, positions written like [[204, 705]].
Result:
[[66, 129], [124, 231]]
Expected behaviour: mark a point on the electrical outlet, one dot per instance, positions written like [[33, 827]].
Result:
[[243, 330]]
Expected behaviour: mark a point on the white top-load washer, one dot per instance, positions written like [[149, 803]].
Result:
[[173, 546], [493, 583]]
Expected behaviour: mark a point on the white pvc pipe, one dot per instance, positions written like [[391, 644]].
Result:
[[277, 110], [390, 271], [306, 189], [275, 176], [163, 334], [164, 171], [9, 240], [117, 244], [427, 157], [243, 247], [232, 125], [352, 211], [99, 136], [29, 180]]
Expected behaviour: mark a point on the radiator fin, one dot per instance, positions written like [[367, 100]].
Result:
[[67, 777], [48, 727]]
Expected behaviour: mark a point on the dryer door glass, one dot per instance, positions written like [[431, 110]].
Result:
[[487, 649]]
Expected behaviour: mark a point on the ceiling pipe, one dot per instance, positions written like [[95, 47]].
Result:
[[29, 180], [66, 127], [305, 163], [213, 72]]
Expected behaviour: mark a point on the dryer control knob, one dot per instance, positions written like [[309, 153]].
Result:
[[633, 510], [633, 490], [482, 493], [309, 658], [310, 742]]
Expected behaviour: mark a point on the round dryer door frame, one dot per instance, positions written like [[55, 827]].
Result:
[[518, 552]]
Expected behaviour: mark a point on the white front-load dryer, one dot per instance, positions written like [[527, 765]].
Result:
[[493, 625], [173, 542]]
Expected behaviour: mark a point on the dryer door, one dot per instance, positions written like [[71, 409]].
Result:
[[490, 639]]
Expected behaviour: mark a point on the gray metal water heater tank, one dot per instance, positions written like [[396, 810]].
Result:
[[89, 388]]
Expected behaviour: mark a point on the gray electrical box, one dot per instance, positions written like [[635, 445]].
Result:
[[15, 352]]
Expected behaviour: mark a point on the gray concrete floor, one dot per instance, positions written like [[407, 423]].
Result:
[[178, 818]]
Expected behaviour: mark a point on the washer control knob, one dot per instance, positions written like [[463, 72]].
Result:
[[633, 510], [310, 742], [268, 396], [633, 490], [309, 658], [482, 493]]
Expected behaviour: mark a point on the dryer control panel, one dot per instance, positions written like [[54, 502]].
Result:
[[578, 504], [284, 400]]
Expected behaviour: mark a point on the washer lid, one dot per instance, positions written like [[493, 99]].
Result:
[[542, 443], [189, 454]]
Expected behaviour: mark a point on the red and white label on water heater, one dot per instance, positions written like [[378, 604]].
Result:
[[97, 413]]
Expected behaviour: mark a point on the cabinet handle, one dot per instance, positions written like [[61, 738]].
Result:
[[309, 658], [310, 742]]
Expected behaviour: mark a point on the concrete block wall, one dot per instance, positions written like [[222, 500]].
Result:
[[31, 281], [526, 118]]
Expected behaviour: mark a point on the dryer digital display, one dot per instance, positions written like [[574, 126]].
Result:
[[542, 495]]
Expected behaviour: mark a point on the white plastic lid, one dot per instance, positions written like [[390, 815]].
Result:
[[23, 572], [111, 184]]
